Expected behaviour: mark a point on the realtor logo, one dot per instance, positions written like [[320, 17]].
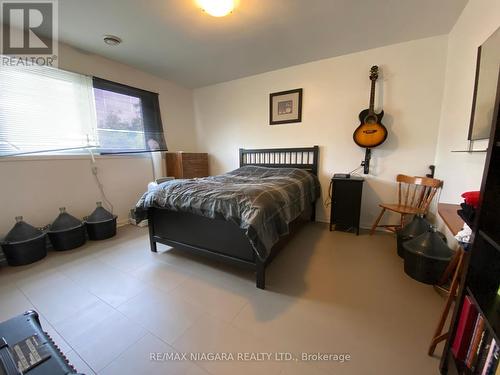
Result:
[[29, 32]]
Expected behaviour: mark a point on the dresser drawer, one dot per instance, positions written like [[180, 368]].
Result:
[[187, 164], [194, 165]]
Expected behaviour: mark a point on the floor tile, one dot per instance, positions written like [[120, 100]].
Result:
[[211, 335], [78, 363], [127, 256], [326, 291], [99, 335], [301, 368], [163, 314], [161, 275], [104, 281], [64, 347], [56, 296], [88, 319], [13, 302], [138, 360], [212, 296]]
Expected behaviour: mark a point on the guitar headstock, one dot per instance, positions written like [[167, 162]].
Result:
[[374, 73]]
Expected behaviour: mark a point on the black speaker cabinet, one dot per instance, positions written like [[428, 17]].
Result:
[[346, 203], [26, 349]]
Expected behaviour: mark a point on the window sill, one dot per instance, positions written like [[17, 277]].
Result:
[[71, 157]]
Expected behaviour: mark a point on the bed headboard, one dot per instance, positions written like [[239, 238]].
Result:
[[302, 157]]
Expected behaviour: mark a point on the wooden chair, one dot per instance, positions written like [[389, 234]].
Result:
[[415, 195]]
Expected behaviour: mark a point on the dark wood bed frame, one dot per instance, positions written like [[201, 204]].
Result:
[[223, 240]]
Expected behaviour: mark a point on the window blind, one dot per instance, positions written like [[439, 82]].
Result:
[[45, 109]]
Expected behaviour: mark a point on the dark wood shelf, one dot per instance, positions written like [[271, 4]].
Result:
[[448, 213], [486, 308], [452, 364], [481, 277], [490, 240], [457, 367]]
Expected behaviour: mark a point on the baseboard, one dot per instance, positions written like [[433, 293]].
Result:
[[122, 222]]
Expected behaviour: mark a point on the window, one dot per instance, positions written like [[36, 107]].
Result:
[[50, 110], [44, 109], [119, 121], [128, 119]]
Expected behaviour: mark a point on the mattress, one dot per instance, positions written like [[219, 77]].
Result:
[[261, 201]]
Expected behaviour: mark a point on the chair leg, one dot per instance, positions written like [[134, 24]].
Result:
[[438, 333], [375, 225], [403, 217], [449, 269]]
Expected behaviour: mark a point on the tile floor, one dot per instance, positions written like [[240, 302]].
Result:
[[110, 304]]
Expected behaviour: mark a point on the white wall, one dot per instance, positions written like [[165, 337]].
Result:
[[462, 171], [235, 114], [36, 188]]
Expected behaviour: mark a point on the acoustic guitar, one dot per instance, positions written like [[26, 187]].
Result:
[[371, 132]]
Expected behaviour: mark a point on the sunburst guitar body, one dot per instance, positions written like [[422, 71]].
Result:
[[371, 133]]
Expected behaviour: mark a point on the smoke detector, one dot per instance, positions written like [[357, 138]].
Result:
[[112, 40]]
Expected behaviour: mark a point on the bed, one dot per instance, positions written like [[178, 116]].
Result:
[[242, 217]]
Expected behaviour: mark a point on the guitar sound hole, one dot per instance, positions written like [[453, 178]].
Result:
[[370, 120]]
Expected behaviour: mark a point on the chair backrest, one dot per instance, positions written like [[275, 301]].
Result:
[[417, 192]]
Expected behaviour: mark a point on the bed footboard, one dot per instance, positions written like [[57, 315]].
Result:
[[213, 238]]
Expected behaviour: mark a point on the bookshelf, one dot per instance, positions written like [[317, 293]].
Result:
[[477, 309]]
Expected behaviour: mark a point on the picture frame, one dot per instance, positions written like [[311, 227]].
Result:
[[285, 107]]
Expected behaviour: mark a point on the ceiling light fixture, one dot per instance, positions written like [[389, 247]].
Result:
[[217, 8], [112, 40]]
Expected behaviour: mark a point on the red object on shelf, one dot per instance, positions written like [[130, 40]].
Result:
[[471, 198], [468, 317]]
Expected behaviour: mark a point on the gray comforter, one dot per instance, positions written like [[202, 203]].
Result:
[[262, 201]]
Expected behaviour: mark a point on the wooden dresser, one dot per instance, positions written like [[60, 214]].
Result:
[[186, 164]]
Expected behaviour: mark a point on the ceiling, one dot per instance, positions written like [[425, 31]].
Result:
[[174, 39]]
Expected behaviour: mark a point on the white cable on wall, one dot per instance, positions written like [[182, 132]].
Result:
[[152, 165], [94, 170], [156, 164]]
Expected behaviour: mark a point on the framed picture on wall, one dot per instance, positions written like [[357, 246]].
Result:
[[285, 107]]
